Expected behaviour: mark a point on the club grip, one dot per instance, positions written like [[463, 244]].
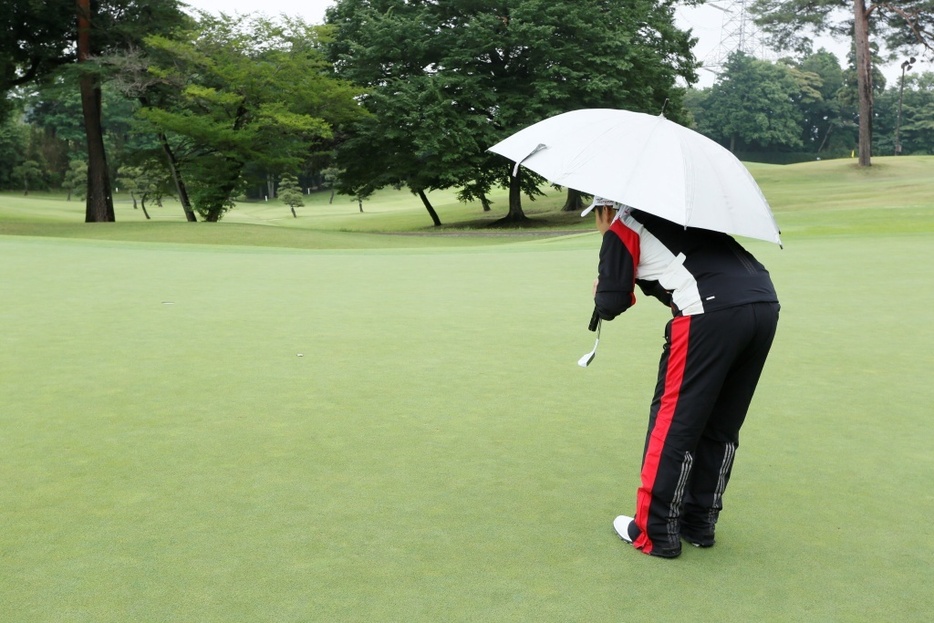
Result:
[[594, 320]]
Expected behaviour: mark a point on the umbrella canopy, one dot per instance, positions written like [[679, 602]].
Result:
[[649, 163]]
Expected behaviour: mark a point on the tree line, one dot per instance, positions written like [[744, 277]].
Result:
[[807, 108], [143, 96]]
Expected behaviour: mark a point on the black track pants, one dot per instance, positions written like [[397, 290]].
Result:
[[707, 375]]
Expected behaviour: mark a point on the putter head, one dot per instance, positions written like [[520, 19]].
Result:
[[596, 323], [586, 359]]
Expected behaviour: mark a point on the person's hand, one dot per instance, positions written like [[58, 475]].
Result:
[[604, 216], [596, 282]]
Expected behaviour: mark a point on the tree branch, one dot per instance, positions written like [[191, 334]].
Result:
[[911, 19]]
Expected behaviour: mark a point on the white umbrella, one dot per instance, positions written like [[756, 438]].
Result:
[[649, 163]]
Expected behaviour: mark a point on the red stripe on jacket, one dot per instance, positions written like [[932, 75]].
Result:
[[630, 240], [674, 376]]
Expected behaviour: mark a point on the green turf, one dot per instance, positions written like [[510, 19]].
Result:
[[270, 223], [435, 454]]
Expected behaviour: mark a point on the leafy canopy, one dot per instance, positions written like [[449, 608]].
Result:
[[251, 90], [446, 80]]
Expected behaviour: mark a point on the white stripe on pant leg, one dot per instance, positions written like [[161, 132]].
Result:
[[674, 511], [728, 455]]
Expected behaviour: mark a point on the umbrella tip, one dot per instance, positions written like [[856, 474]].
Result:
[[664, 106]]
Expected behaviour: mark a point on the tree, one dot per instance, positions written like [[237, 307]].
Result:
[[144, 182], [133, 78], [916, 125], [252, 90], [44, 38], [34, 42], [76, 179], [100, 205], [331, 175], [900, 24], [446, 80], [828, 120], [27, 172], [290, 193], [53, 111], [754, 105], [13, 144]]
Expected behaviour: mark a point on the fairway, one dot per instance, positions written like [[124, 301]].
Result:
[[394, 428]]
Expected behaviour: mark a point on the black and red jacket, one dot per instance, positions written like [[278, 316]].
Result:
[[692, 270]]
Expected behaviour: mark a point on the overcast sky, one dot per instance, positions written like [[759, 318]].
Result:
[[706, 21]]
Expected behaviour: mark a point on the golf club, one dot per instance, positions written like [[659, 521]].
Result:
[[595, 324]]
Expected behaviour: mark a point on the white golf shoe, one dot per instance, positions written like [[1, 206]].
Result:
[[621, 525]]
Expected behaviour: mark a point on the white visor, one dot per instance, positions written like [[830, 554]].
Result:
[[598, 201]]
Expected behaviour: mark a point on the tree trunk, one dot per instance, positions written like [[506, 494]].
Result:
[[142, 203], [177, 178], [213, 203], [133, 197], [515, 214], [863, 80], [823, 143], [485, 202], [431, 210], [294, 215], [99, 205], [212, 207], [270, 185], [573, 202]]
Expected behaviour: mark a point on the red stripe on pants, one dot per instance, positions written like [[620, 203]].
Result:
[[674, 375]]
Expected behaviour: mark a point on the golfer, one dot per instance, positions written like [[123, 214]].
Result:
[[725, 312]]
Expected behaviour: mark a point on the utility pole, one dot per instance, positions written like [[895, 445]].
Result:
[[907, 65]]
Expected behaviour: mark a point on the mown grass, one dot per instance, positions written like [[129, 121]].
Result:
[[825, 197], [375, 427]]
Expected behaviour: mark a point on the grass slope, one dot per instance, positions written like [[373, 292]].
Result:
[[435, 454]]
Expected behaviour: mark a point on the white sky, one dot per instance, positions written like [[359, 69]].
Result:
[[312, 11], [706, 22]]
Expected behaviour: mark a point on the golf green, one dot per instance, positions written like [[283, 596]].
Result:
[[206, 433]]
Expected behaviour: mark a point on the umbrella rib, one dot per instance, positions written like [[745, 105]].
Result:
[[645, 146], [689, 182]]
